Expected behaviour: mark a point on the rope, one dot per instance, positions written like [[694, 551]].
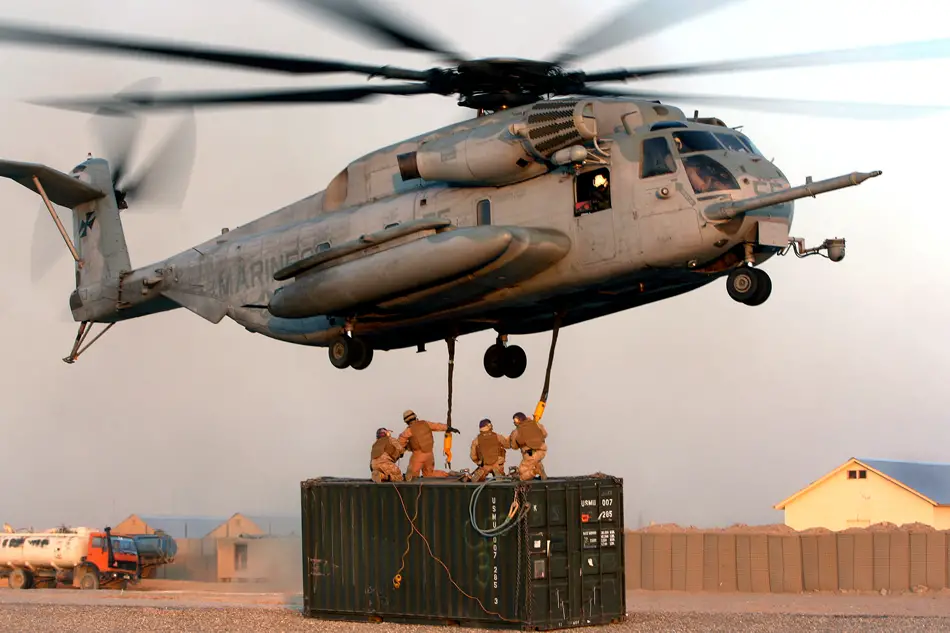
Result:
[[397, 579], [542, 402], [412, 524]]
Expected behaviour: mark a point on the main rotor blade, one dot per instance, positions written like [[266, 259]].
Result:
[[931, 49], [117, 131], [243, 59], [164, 179], [166, 101], [845, 109], [636, 21], [374, 21]]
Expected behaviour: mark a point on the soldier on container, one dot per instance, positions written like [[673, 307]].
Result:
[[529, 436], [418, 438], [383, 457], [488, 452]]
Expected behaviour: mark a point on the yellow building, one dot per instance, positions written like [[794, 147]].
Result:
[[861, 492]]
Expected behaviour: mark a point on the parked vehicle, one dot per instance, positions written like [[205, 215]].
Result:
[[82, 557]]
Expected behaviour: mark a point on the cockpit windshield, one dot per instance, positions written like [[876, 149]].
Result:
[[695, 141], [732, 142], [707, 175], [125, 545], [745, 139]]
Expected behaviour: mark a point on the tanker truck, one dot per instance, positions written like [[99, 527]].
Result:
[[82, 557]]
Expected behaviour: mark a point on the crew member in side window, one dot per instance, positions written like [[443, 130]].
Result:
[[383, 457], [418, 438], [530, 437], [488, 452]]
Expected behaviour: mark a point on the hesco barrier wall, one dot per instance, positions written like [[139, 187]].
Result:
[[869, 559]]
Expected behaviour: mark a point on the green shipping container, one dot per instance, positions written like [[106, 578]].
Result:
[[558, 563]]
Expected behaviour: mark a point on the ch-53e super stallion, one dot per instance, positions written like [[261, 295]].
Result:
[[560, 202]]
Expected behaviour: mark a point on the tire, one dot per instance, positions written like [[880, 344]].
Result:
[[742, 283], [20, 579], [516, 361], [763, 288], [89, 580], [494, 361], [364, 357], [340, 352]]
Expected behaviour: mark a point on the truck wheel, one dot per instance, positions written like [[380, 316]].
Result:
[[89, 581], [20, 579]]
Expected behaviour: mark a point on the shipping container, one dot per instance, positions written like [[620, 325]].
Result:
[[557, 563]]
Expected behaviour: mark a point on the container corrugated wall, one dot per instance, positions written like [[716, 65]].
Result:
[[561, 566]]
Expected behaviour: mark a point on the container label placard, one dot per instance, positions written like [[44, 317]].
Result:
[[589, 509], [606, 510], [590, 539]]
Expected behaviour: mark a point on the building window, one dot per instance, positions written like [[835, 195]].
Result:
[[852, 474], [240, 556], [483, 212], [857, 474], [862, 474]]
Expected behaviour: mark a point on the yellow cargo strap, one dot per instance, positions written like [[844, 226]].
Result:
[[539, 410], [447, 442]]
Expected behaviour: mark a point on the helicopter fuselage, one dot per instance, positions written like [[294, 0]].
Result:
[[397, 260]]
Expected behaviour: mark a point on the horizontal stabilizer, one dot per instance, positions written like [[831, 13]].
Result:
[[62, 189], [205, 307]]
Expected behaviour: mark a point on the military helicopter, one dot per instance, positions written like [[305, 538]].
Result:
[[559, 202]]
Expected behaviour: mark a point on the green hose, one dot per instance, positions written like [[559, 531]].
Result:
[[506, 525]]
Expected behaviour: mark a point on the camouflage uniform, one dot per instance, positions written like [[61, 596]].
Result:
[[418, 438], [488, 451], [383, 457], [530, 437]]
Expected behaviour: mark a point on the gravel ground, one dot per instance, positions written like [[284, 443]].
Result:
[[58, 610], [58, 618]]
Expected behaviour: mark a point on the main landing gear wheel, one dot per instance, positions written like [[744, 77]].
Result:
[[352, 352], [748, 285], [510, 361]]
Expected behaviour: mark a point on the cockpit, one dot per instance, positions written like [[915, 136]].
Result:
[[705, 173]]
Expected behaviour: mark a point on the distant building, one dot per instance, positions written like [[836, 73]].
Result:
[[861, 492], [248, 548]]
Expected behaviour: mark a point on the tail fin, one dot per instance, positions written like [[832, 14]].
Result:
[[98, 237]]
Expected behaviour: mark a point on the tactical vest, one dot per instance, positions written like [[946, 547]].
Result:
[[421, 439], [529, 434], [489, 448], [384, 445]]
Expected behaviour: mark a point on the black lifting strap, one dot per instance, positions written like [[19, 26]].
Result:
[[447, 444], [539, 410]]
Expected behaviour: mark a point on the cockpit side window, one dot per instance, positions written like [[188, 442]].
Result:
[[707, 175], [695, 141], [592, 191], [733, 143], [657, 158]]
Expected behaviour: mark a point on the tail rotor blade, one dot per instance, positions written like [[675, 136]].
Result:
[[165, 177]]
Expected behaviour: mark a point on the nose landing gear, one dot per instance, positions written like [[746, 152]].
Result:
[[748, 285]]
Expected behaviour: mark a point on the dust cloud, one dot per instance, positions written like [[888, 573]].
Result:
[[711, 411]]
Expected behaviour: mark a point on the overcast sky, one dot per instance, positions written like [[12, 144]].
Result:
[[711, 411]]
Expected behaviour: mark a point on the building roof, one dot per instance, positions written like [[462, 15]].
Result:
[[929, 481], [183, 526], [276, 525]]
